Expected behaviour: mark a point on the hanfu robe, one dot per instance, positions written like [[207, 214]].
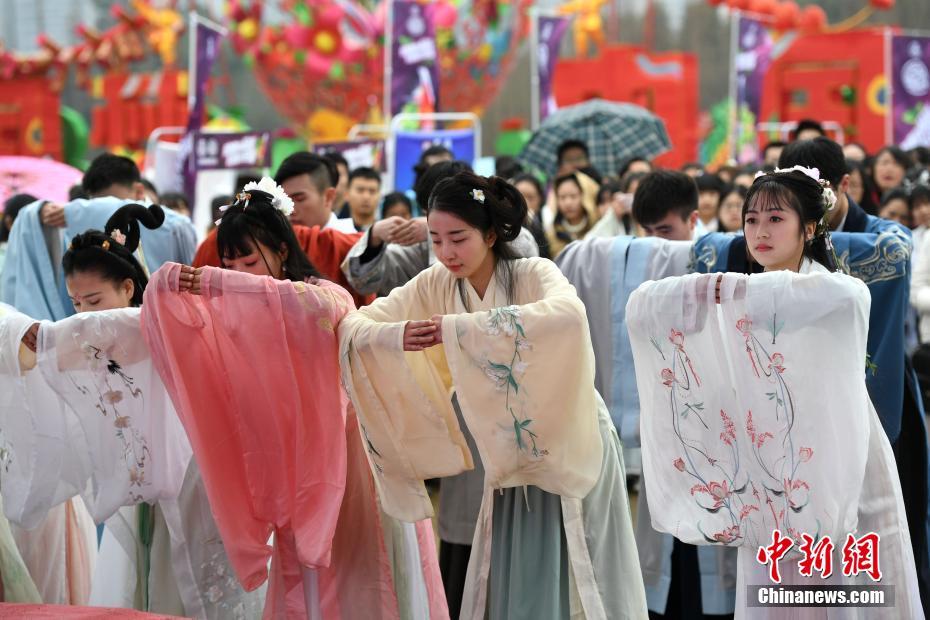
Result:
[[95, 415], [32, 281], [739, 439], [605, 272], [40, 476], [380, 271], [252, 364], [878, 253], [562, 546]]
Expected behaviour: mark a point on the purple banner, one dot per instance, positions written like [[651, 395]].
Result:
[[358, 153], [550, 31], [910, 91], [753, 56], [229, 151], [207, 47], [414, 61]]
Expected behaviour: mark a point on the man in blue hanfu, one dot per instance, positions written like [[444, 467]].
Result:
[[32, 281], [877, 251]]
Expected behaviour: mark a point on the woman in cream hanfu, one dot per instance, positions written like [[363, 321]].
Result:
[[756, 422], [94, 419], [509, 340], [250, 356]]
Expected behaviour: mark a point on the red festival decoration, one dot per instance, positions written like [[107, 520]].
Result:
[[664, 83], [786, 15], [128, 105], [328, 59], [812, 77]]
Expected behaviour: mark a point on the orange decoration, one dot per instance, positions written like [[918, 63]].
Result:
[[882, 5], [763, 7], [813, 19], [787, 15]]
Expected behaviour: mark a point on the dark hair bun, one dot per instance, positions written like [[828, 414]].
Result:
[[508, 209], [127, 219]]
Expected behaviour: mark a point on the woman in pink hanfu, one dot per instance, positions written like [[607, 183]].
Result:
[[252, 364]]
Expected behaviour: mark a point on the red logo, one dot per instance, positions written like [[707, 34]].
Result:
[[817, 557], [773, 553], [861, 556]]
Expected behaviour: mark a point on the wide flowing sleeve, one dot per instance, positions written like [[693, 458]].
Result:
[[252, 366], [524, 376], [28, 279], [403, 399], [98, 364], [738, 437], [41, 461]]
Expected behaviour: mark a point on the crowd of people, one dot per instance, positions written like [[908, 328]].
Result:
[[281, 416]]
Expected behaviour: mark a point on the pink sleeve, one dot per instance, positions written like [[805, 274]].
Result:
[[252, 367]]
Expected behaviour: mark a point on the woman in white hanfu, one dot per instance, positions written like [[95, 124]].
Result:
[[556, 541], [756, 423], [93, 420]]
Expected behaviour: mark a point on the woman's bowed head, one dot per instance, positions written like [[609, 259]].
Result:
[[254, 236], [471, 220], [784, 220]]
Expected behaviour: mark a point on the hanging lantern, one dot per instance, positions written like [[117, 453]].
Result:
[[787, 15], [813, 19]]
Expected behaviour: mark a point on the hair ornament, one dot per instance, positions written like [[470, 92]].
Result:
[[118, 236], [827, 193], [477, 195], [279, 198], [106, 244]]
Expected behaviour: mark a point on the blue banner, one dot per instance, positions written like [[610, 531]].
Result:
[[409, 145]]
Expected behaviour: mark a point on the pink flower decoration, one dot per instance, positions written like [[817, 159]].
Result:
[[676, 338], [668, 377], [699, 487], [728, 535], [805, 454], [761, 439], [728, 436], [745, 510], [679, 464], [777, 361], [744, 325], [718, 490]]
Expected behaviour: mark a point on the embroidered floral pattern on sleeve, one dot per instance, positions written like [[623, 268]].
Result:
[[774, 489], [114, 388], [505, 375]]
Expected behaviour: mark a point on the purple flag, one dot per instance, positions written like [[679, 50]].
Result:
[[206, 49], [550, 31], [910, 91], [414, 61], [753, 56]]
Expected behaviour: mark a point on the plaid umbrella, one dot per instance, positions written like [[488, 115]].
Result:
[[614, 133]]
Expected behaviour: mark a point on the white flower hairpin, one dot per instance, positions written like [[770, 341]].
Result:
[[477, 195], [279, 198], [829, 196]]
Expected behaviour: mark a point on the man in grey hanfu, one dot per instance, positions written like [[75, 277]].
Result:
[[682, 581]]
